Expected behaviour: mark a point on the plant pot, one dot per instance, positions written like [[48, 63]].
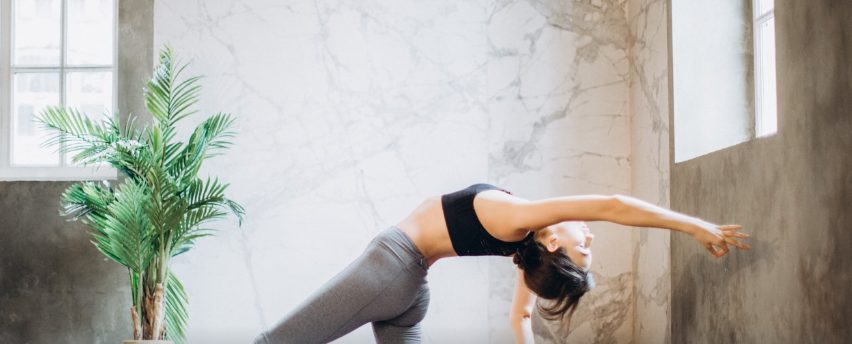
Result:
[[148, 341]]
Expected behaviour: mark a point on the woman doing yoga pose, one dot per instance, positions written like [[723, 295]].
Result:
[[386, 284]]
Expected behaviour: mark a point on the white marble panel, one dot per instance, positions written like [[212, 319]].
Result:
[[649, 94], [351, 112], [558, 107]]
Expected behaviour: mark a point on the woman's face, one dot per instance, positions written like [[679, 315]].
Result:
[[574, 237]]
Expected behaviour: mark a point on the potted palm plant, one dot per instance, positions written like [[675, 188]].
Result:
[[160, 205]]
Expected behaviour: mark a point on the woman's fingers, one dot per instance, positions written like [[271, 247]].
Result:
[[719, 251], [711, 249], [736, 243], [731, 229], [724, 248], [717, 245], [729, 232], [736, 234]]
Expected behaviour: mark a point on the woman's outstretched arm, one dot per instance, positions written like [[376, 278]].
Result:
[[519, 315], [627, 211]]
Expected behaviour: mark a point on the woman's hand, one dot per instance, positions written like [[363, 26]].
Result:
[[716, 238]]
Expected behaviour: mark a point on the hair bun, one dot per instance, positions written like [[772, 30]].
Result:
[[519, 259], [527, 256]]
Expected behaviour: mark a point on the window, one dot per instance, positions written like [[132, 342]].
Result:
[[766, 119], [53, 52], [712, 92], [723, 74]]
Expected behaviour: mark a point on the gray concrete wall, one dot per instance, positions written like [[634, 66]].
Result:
[[55, 287], [792, 191], [135, 56]]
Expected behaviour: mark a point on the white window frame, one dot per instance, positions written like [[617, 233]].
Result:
[[760, 114], [61, 172]]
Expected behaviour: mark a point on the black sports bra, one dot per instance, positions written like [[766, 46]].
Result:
[[468, 236]]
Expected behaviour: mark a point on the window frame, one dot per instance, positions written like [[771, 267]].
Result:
[[758, 18], [63, 172]]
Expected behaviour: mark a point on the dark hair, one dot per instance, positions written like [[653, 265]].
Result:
[[553, 276]]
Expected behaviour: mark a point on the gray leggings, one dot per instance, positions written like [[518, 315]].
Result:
[[385, 285]]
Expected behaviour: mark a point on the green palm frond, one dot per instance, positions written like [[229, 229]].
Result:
[[162, 206], [216, 133], [89, 202], [177, 315], [237, 210], [73, 128], [72, 131], [128, 228], [83, 199], [207, 140], [168, 99]]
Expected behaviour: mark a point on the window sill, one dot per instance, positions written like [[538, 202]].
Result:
[[57, 173]]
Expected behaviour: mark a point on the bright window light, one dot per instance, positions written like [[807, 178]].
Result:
[[766, 108], [53, 52]]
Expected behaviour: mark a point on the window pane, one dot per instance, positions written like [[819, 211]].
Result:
[[31, 93], [90, 93], [768, 103], [90, 32], [37, 31], [765, 6]]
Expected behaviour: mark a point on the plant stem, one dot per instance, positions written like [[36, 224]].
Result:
[[157, 312], [137, 324], [140, 286]]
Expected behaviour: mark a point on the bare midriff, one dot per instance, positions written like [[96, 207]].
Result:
[[427, 228]]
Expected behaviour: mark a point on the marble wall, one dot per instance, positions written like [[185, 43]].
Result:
[[566, 109], [351, 113], [650, 156]]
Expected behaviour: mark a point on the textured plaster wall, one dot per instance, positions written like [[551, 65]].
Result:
[[54, 285], [791, 191]]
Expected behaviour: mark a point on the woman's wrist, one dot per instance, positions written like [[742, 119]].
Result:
[[691, 225], [697, 226]]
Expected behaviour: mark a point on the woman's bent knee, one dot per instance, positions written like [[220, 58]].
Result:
[[386, 332]]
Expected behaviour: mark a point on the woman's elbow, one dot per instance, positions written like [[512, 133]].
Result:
[[616, 204], [617, 200], [519, 314], [518, 317]]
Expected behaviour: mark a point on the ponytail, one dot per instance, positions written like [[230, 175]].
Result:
[[553, 276]]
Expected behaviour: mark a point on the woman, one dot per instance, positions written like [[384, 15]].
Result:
[[386, 285]]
